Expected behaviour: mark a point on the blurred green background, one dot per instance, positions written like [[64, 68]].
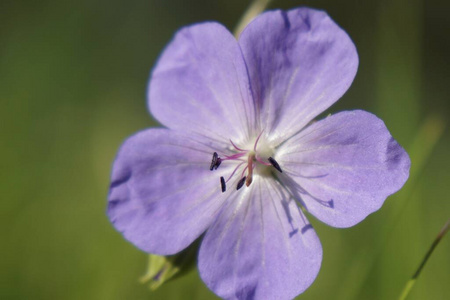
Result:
[[73, 78]]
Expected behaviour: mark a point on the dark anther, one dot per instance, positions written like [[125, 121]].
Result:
[[222, 184], [218, 162], [241, 183], [214, 161], [275, 164]]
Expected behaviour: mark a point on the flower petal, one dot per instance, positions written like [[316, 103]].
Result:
[[162, 195], [200, 85], [260, 247], [344, 167], [299, 62]]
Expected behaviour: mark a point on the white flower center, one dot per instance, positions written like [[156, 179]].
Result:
[[255, 157]]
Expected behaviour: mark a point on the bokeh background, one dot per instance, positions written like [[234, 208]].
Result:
[[73, 77]]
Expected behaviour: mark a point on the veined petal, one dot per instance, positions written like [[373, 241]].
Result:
[[260, 247], [200, 85], [299, 62], [162, 195], [344, 167]]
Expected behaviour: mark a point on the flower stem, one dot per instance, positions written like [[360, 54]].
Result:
[[413, 279], [255, 8]]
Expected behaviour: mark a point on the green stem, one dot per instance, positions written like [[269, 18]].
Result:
[[413, 279], [255, 8]]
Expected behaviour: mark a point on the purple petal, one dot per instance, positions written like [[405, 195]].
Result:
[[162, 194], [300, 62], [200, 85], [344, 167], [260, 247]]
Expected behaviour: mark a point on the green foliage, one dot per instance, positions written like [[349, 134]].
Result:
[[73, 83]]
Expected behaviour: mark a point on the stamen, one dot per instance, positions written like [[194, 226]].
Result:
[[257, 140], [250, 170], [219, 161], [213, 161], [243, 171], [240, 183], [261, 161], [223, 184], [275, 164], [234, 156], [234, 171], [236, 147]]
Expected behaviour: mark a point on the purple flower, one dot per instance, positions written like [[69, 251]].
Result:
[[241, 153]]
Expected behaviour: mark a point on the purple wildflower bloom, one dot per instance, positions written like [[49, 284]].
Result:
[[252, 102]]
